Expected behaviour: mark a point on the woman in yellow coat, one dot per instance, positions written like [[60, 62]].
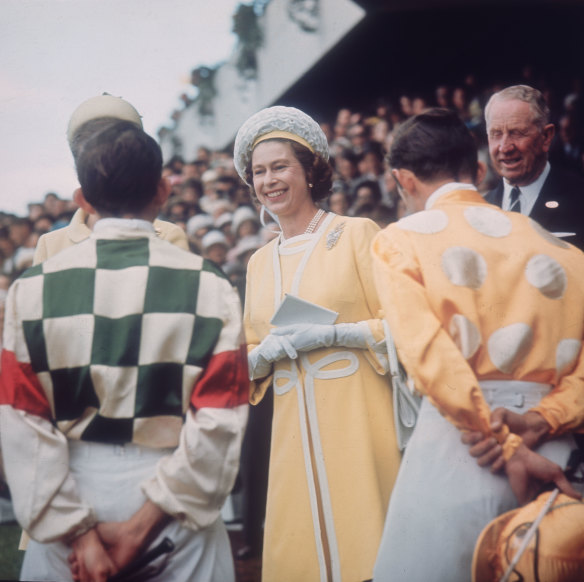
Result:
[[334, 456]]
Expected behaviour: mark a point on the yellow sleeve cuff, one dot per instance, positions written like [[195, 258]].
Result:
[[509, 441], [258, 388]]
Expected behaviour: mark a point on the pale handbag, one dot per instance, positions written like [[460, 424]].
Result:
[[406, 401]]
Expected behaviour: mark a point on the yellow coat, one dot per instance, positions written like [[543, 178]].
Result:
[[334, 456], [52, 242]]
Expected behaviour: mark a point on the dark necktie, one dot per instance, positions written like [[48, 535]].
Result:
[[515, 204]]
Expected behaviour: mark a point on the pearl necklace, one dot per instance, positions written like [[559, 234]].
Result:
[[315, 220]]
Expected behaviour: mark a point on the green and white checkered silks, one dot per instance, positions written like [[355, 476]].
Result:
[[119, 333]]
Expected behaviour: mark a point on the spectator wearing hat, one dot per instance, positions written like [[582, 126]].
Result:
[[197, 227], [221, 206], [214, 246], [23, 257], [246, 222], [79, 228], [223, 224], [334, 453], [208, 179], [245, 248]]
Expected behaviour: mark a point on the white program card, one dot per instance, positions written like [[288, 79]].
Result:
[[296, 310]]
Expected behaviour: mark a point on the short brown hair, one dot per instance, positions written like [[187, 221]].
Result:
[[435, 145], [119, 166]]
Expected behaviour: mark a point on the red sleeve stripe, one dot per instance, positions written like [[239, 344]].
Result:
[[224, 382], [20, 387]]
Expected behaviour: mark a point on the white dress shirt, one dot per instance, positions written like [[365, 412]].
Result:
[[528, 194]]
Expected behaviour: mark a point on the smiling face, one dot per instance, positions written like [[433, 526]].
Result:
[[279, 179], [518, 146]]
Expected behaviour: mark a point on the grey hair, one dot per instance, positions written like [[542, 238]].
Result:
[[537, 103]]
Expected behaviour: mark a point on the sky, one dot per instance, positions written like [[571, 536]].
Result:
[[54, 54]]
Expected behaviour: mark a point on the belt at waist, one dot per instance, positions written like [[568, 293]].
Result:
[[513, 393], [107, 451]]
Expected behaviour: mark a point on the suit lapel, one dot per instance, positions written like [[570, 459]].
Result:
[[548, 193], [495, 196]]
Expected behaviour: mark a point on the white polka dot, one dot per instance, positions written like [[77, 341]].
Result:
[[465, 334], [425, 222], [464, 267], [548, 235], [546, 275], [509, 345], [488, 221], [566, 355]]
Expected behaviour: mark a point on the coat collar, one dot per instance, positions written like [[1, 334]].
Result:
[[78, 229], [457, 196]]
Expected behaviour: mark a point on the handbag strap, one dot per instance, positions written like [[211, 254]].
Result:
[[406, 404]]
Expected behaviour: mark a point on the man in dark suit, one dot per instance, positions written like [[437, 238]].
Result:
[[520, 136]]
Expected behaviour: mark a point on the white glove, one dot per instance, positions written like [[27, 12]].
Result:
[[272, 349], [309, 336]]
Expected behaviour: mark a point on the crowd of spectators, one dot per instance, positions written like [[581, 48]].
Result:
[[220, 219]]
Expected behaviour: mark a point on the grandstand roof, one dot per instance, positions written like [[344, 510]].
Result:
[[413, 45]]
